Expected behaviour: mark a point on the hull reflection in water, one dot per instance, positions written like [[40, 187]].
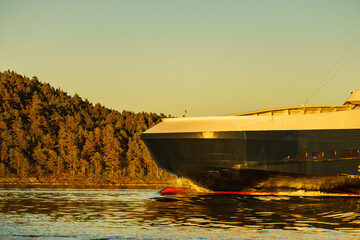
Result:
[[262, 212]]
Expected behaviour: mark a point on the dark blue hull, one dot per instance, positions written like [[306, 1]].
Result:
[[237, 160]]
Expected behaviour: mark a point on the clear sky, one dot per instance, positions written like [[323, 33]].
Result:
[[163, 56]]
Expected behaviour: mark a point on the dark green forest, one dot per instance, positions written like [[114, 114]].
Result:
[[49, 136]]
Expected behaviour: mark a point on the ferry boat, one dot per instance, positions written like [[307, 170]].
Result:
[[304, 147]]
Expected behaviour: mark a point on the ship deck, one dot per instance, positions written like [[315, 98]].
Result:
[[299, 110]]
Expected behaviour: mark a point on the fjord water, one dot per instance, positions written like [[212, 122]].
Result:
[[79, 213]]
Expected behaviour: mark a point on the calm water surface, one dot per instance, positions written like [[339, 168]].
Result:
[[66, 213]]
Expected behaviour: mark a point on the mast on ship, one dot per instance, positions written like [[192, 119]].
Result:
[[354, 98]]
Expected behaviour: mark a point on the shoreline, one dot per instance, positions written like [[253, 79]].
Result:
[[89, 183]]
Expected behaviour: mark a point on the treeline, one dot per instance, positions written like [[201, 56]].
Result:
[[50, 136]]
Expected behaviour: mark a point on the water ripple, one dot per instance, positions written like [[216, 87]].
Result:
[[48, 213]]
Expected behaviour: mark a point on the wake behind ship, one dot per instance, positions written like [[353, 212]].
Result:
[[306, 147]]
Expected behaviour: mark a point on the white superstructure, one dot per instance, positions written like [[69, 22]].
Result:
[[345, 116]]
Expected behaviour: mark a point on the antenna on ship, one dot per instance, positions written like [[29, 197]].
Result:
[[327, 79], [184, 115]]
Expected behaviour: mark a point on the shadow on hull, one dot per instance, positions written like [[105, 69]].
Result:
[[259, 180], [314, 160]]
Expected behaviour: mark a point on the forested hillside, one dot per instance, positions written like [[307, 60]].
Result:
[[48, 136]]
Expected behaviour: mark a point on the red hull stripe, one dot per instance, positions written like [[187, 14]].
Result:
[[179, 190]]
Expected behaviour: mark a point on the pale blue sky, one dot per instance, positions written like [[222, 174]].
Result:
[[208, 57]]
